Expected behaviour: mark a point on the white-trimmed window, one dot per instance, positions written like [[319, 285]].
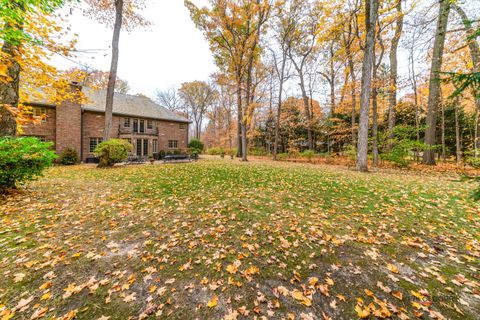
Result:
[[94, 142], [149, 124], [154, 145], [126, 122], [40, 112], [183, 126], [172, 144]]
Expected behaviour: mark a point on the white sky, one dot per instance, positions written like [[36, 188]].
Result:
[[169, 52]]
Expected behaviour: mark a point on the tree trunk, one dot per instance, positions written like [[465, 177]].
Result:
[[353, 94], [279, 108], [375, 123], [371, 9], [9, 92], [239, 116], [113, 69], [308, 114], [434, 85], [444, 150], [392, 92], [244, 141], [332, 80], [457, 134], [474, 49]]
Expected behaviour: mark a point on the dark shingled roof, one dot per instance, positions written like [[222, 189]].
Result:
[[128, 105]]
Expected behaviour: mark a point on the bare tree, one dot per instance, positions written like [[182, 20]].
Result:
[[168, 98], [197, 97]]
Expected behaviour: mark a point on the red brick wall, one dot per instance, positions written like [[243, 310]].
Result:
[[68, 120], [171, 131], [46, 129], [93, 124]]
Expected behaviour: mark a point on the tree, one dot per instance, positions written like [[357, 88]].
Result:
[[197, 97], [474, 49], [119, 9], [305, 24], [434, 84], [168, 98], [392, 95], [371, 12], [233, 29], [14, 35], [99, 80], [283, 33]]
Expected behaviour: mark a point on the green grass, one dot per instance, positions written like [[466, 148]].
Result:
[[138, 227]]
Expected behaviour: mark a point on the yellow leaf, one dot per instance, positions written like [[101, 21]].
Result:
[[213, 302], [398, 295], [392, 268], [362, 313]]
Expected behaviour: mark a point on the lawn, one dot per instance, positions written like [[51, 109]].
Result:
[[223, 239]]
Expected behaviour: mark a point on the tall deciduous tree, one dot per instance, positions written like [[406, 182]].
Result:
[[392, 92], [13, 15], [197, 97], [371, 13], [117, 11], [233, 29], [302, 46], [434, 84]]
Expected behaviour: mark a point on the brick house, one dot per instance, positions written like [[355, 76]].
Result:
[[148, 126]]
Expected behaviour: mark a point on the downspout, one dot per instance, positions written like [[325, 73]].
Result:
[[81, 134]]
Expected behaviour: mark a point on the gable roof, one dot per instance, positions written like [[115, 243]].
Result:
[[128, 105]]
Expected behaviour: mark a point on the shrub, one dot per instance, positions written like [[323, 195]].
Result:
[[309, 154], [258, 151], [23, 159], [474, 162], [196, 144], [112, 151], [215, 151], [282, 156], [68, 157]]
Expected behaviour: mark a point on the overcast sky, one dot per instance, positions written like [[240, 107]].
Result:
[[169, 52]]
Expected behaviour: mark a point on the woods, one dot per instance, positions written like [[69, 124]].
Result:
[[345, 57]]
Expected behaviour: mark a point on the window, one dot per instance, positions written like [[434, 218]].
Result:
[[142, 147], [154, 145], [149, 124], [94, 143], [142, 126], [183, 126], [135, 125], [172, 144], [126, 122], [40, 112]]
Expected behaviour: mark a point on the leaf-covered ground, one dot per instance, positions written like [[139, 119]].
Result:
[[223, 239]]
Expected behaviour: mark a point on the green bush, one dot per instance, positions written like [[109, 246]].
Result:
[[309, 154], [215, 151], [474, 162], [112, 151], [23, 159], [258, 151], [68, 157], [282, 156], [196, 144]]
